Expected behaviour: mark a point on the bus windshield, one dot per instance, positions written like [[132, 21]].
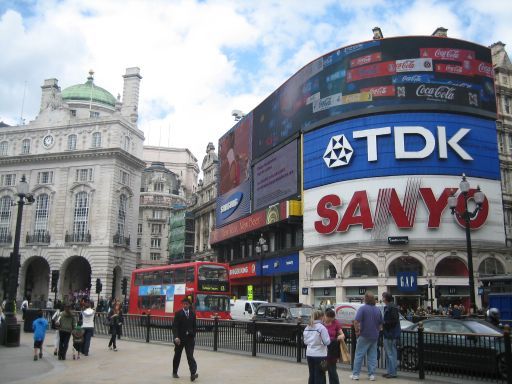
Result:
[[212, 278], [212, 303]]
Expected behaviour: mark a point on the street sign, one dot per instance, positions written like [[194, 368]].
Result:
[[398, 240], [305, 291]]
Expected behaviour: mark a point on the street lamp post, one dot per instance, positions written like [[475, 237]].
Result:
[[430, 286], [14, 264], [261, 248], [466, 216]]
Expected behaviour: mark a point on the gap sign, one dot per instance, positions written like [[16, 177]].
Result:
[[407, 281]]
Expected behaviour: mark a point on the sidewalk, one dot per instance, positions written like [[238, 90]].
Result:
[[137, 362]]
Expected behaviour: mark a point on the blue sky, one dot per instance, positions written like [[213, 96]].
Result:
[[202, 59]]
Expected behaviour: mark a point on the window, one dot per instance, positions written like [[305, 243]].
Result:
[[45, 177], [81, 215], [158, 199], [154, 256], [139, 229], [157, 214], [507, 104], [25, 147], [5, 218], [500, 142], [84, 174], [155, 243], [41, 219], [71, 142], [94, 114], [124, 177], [96, 140], [126, 143], [509, 143], [158, 187], [156, 229], [8, 180], [73, 112], [4, 147], [121, 215], [139, 242]]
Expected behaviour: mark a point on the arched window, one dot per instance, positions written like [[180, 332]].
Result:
[[81, 216], [451, 266], [5, 219], [41, 219], [4, 147], [71, 142], [25, 146], [96, 140], [363, 268], [405, 264], [491, 266], [121, 215]]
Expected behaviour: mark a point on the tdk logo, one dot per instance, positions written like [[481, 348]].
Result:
[[339, 150]]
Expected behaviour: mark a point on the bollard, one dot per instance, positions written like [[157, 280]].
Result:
[[215, 333], [508, 354], [148, 326], [421, 351], [298, 341]]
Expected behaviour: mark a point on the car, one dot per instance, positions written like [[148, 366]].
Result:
[[276, 320], [244, 310], [346, 313], [465, 345]]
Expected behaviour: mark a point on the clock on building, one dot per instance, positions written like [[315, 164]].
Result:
[[48, 141]]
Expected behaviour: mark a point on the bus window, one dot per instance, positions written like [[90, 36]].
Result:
[[168, 277], [190, 275], [212, 303], [179, 276], [152, 302], [212, 273], [152, 278], [138, 279]]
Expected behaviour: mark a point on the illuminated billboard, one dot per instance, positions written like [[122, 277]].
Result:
[[403, 73]]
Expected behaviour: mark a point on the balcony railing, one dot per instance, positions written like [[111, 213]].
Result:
[[38, 237], [121, 240], [5, 238], [78, 237]]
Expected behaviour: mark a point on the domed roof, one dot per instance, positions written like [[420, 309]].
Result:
[[89, 92]]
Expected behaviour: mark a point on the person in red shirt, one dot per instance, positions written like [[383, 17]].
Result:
[[333, 350]]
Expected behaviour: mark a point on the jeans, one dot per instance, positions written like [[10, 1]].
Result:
[[316, 375], [88, 333], [391, 355], [365, 347], [63, 344]]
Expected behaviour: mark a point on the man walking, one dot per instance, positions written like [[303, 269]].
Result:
[[391, 331], [367, 325], [184, 332]]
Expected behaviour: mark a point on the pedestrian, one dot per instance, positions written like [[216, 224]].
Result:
[[333, 350], [456, 313], [115, 321], [49, 304], [184, 333], [56, 326], [391, 332], [367, 325], [87, 316], [78, 340], [39, 326], [316, 339], [24, 307], [66, 325]]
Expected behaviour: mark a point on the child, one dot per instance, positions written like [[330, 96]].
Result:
[[78, 340], [39, 326]]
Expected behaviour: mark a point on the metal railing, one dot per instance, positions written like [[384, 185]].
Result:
[[481, 358], [5, 238], [38, 237], [78, 237], [121, 240]]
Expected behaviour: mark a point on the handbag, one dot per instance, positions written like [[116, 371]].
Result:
[[324, 366], [345, 354]]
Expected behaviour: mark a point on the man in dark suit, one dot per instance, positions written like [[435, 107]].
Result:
[[184, 333]]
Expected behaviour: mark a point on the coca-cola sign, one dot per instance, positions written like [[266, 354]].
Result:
[[451, 54], [483, 69], [441, 92], [454, 69], [367, 59], [414, 65], [382, 91]]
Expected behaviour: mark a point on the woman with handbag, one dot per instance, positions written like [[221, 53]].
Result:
[[115, 317], [317, 339], [333, 351]]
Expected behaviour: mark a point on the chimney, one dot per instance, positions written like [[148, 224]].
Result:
[[50, 90], [440, 32], [131, 94], [377, 33]]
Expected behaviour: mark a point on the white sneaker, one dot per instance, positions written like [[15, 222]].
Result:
[[371, 377], [354, 377]]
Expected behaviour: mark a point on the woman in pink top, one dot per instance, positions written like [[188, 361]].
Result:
[[333, 351]]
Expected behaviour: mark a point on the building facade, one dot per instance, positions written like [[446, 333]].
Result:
[[81, 156]]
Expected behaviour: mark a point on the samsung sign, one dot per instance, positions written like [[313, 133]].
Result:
[[401, 144], [233, 205]]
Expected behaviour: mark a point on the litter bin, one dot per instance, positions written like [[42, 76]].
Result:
[[30, 316], [12, 335]]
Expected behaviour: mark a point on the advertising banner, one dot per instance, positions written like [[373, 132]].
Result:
[[401, 144], [279, 265], [276, 177], [233, 205], [240, 271], [360, 78]]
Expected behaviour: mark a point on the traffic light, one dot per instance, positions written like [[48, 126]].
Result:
[[55, 280], [438, 292], [124, 285], [99, 286], [424, 292]]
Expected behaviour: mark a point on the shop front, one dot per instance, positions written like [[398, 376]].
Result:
[[356, 294], [284, 273]]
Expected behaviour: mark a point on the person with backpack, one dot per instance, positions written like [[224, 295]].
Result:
[[391, 332]]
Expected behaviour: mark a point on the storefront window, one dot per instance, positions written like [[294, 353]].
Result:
[[451, 266], [363, 268], [405, 264], [491, 266]]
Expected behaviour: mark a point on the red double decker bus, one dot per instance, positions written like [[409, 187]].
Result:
[[160, 290]]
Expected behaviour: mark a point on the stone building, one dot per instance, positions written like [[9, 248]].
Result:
[[81, 156]]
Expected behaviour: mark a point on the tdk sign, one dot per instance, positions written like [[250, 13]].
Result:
[[401, 144]]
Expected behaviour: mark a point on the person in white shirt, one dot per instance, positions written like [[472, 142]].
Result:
[[24, 306], [316, 339], [87, 317]]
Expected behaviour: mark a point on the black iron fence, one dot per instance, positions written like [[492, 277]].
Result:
[[481, 358]]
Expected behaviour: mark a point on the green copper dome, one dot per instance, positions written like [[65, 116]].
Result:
[[89, 92]]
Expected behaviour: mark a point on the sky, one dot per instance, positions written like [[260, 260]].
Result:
[[202, 59]]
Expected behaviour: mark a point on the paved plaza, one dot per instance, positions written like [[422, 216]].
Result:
[[138, 362]]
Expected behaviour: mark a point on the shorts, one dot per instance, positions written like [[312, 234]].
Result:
[[38, 343]]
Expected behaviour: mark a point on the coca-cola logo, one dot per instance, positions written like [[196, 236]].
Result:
[[453, 54], [485, 68], [442, 92], [412, 78], [454, 68], [363, 60], [379, 91], [406, 64]]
